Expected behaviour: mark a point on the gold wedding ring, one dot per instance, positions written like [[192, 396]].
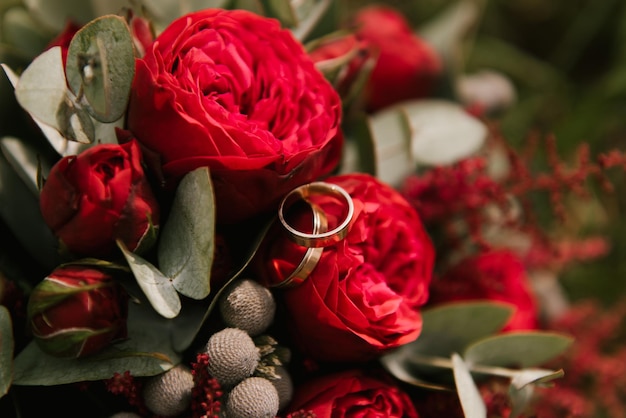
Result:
[[321, 238], [311, 257]]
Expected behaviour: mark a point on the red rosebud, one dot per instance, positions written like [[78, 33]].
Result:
[[233, 91], [363, 296], [76, 311], [497, 275], [406, 68], [352, 393], [99, 196]]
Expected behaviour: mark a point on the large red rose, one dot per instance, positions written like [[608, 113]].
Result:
[[231, 90], [363, 297], [350, 394], [101, 195], [497, 275], [406, 68]]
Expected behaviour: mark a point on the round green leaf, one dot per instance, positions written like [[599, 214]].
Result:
[[41, 89], [146, 352], [185, 250], [101, 66], [75, 123], [157, 287], [442, 132], [451, 327], [517, 349], [6, 351], [309, 15]]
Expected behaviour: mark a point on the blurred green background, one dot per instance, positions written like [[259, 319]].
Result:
[[567, 60]]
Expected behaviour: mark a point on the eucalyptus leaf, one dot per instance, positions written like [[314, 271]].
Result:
[[527, 377], [186, 245], [520, 399], [146, 352], [391, 135], [358, 153], [21, 31], [60, 144], [253, 6], [6, 351], [75, 123], [281, 10], [520, 349], [41, 88], [186, 326], [471, 401], [306, 25], [157, 287], [24, 218], [397, 367], [451, 327], [101, 65], [442, 132], [25, 161]]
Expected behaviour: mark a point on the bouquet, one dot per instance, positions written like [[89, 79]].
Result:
[[278, 209]]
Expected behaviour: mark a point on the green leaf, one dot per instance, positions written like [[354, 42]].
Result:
[[185, 250], [453, 326], [24, 159], [281, 10], [188, 324], [442, 132], [101, 66], [157, 287], [308, 18], [518, 349], [146, 352], [24, 218], [22, 32], [75, 123], [41, 88], [520, 399], [527, 377], [6, 351], [358, 153], [391, 135], [471, 401]]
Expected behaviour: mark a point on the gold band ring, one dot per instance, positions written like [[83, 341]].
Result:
[[311, 257], [319, 239]]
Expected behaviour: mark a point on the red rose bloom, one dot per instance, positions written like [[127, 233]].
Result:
[[101, 195], [496, 275], [77, 311], [233, 91], [352, 394], [363, 296], [406, 68]]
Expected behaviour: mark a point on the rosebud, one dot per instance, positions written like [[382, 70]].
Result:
[[76, 311], [99, 196]]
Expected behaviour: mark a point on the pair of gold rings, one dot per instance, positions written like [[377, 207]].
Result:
[[320, 237]]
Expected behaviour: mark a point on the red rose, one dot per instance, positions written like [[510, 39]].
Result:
[[76, 311], [233, 91], [496, 275], [352, 394], [363, 297], [406, 68], [101, 195]]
